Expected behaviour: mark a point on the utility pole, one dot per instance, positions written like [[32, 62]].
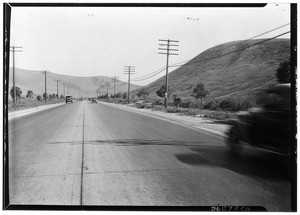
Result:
[[57, 89], [114, 79], [14, 49], [168, 49], [107, 89], [45, 86], [129, 70]]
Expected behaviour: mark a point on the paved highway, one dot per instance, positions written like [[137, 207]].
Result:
[[95, 154]]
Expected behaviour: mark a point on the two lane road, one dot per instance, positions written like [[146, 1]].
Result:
[[95, 154]]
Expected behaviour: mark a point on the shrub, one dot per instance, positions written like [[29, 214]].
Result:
[[229, 105], [124, 96], [143, 94], [177, 102], [283, 73], [18, 92], [162, 90], [212, 105], [39, 98], [29, 94], [188, 104], [158, 102], [45, 95]]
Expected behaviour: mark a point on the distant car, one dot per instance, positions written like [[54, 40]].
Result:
[[93, 100], [69, 99], [267, 126], [81, 99], [143, 104]]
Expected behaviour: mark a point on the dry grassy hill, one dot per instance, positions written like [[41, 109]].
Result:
[[238, 73], [81, 86]]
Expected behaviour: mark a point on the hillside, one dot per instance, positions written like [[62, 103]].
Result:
[[238, 73], [81, 86]]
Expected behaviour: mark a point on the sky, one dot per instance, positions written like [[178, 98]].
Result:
[[100, 41]]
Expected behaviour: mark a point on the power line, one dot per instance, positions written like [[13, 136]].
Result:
[[269, 31], [156, 73], [182, 62], [233, 51]]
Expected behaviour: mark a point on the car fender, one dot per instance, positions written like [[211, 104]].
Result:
[[243, 129]]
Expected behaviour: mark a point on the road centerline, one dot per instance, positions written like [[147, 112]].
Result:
[[82, 155]]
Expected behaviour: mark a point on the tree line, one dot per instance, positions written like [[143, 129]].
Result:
[[30, 94]]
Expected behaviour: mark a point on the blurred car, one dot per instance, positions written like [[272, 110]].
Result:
[[93, 100], [81, 99], [69, 99], [143, 104], [267, 126]]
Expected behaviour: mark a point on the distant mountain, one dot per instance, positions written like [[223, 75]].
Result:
[[238, 73], [78, 86]]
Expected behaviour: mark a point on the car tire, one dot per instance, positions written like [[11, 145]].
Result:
[[233, 140]]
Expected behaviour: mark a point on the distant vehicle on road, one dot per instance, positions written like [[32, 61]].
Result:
[[80, 99], [143, 104], [267, 126], [69, 99], [93, 100]]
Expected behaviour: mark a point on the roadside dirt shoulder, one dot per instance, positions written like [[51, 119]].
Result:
[[27, 111]]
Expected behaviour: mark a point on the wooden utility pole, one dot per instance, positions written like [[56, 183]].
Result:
[[114, 79], [57, 89], [129, 70], [14, 49], [168, 49], [45, 86], [107, 89]]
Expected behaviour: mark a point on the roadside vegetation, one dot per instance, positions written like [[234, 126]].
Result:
[[200, 104], [31, 100]]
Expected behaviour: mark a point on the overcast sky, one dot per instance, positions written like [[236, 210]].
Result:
[[100, 41]]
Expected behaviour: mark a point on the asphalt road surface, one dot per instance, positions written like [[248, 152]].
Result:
[[95, 154]]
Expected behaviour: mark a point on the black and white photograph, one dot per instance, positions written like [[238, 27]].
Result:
[[150, 106]]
